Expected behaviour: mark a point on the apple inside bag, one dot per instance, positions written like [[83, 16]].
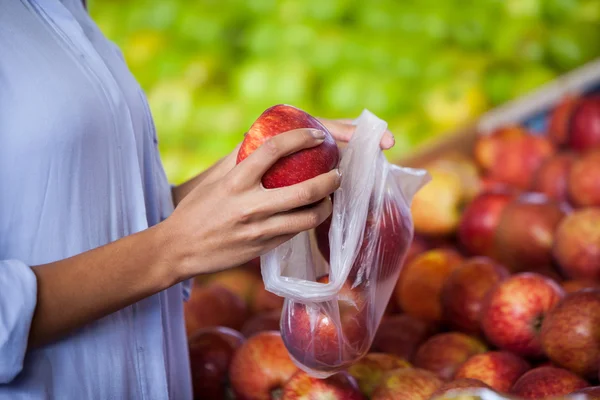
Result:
[[336, 292]]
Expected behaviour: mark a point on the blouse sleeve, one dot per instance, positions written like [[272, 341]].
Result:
[[18, 299]]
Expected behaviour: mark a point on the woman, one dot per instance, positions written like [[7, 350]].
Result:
[[94, 256]]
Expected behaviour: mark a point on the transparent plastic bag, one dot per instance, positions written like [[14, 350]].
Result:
[[332, 310]]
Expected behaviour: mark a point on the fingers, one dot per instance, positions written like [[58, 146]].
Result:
[[294, 222], [343, 129], [302, 194], [256, 164]]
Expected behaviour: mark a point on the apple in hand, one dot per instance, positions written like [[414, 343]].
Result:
[[583, 185], [260, 366], [571, 333], [526, 230], [577, 244], [553, 176], [498, 369], [584, 124], [445, 352], [297, 167], [419, 288], [340, 386], [327, 336], [401, 335], [512, 155], [211, 351], [213, 306], [514, 310], [264, 321], [369, 370], [465, 289], [407, 384], [545, 382], [479, 222]]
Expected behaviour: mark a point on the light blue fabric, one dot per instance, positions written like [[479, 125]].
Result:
[[79, 168]]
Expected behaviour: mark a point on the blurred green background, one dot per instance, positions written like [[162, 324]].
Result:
[[210, 67]]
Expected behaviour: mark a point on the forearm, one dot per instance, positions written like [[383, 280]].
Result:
[[89, 286]]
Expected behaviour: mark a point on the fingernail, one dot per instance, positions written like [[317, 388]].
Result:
[[317, 134], [339, 174], [389, 141]]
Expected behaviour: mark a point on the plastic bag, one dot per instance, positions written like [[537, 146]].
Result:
[[332, 310]]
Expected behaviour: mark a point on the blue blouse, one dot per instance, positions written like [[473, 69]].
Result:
[[79, 168]]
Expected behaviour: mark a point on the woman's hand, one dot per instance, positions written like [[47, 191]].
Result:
[[235, 219], [343, 129]]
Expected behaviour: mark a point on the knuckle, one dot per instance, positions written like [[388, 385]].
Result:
[[254, 233], [313, 219], [272, 146], [308, 194], [245, 215], [234, 183]]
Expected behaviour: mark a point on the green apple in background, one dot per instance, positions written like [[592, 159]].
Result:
[[520, 40], [454, 103], [172, 105], [327, 54], [268, 82], [573, 44], [498, 83], [530, 77]]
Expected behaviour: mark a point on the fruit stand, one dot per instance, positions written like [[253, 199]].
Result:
[[427, 67], [498, 295]]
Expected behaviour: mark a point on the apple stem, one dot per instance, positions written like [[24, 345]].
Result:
[[537, 323], [276, 393]]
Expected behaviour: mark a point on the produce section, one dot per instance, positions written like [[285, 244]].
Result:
[[499, 294], [211, 67]]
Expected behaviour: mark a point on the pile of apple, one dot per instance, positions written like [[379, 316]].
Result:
[[500, 291]]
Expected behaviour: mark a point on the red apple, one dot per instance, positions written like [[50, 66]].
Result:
[[265, 321], [558, 126], [574, 285], [253, 266], [327, 336], [263, 300], [465, 289], [445, 352], [480, 220], [213, 306], [386, 239], [369, 370], [297, 167], [340, 386], [584, 124], [545, 382], [553, 175], [419, 288], [260, 366], [525, 232], [407, 384], [512, 155], [590, 393], [583, 186], [322, 237], [211, 351], [401, 335], [437, 206], [498, 369], [237, 280], [577, 245], [514, 311], [450, 389], [571, 333]]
